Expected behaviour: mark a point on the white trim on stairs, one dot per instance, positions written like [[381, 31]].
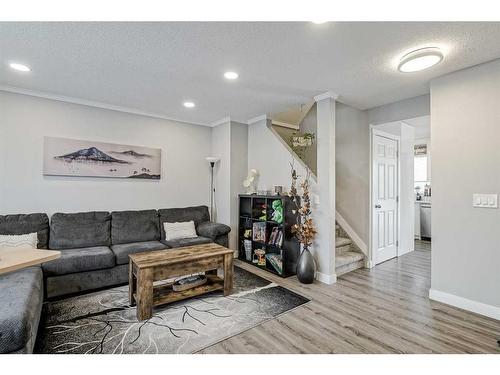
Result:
[[465, 304], [354, 236], [325, 278]]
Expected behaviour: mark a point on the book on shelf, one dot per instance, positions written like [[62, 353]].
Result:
[[276, 237], [259, 232]]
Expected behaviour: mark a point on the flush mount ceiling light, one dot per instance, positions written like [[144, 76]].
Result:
[[188, 104], [19, 67], [319, 22], [420, 59], [231, 75]]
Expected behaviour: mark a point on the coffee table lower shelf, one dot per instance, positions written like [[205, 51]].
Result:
[[163, 294]]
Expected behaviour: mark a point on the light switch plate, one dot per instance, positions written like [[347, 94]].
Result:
[[485, 200]]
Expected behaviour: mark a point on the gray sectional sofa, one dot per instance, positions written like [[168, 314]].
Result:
[[21, 292], [94, 254]]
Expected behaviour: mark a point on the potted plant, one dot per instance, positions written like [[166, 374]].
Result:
[[303, 229], [300, 142]]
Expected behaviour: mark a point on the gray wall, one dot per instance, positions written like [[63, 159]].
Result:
[[352, 178], [25, 120], [402, 110], [239, 171], [465, 112], [230, 144]]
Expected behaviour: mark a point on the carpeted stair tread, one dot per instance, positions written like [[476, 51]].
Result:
[[347, 258], [342, 241]]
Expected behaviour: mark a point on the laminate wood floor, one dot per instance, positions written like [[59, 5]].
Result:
[[382, 310]]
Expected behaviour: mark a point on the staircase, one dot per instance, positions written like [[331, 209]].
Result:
[[347, 256]]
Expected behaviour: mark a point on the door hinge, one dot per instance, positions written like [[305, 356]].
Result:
[[397, 243], [397, 198]]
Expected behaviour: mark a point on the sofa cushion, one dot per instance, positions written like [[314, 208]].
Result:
[[212, 230], [134, 226], [79, 260], [83, 229], [21, 296], [181, 242], [122, 251], [198, 214], [29, 223]]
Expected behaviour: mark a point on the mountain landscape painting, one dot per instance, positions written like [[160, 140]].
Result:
[[71, 157]]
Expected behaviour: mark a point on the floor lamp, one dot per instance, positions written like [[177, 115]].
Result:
[[212, 161]]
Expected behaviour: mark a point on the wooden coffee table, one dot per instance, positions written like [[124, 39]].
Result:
[[148, 267], [16, 258]]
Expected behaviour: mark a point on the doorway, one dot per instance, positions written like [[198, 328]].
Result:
[[385, 188]]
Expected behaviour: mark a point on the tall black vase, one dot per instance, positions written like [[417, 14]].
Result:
[[306, 267]]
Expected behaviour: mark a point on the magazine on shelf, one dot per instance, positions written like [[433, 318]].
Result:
[[259, 232]]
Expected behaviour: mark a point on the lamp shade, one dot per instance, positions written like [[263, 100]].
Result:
[[212, 159]]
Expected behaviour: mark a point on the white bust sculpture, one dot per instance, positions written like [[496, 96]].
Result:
[[250, 183]]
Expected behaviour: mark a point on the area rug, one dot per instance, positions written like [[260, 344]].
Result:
[[104, 322]]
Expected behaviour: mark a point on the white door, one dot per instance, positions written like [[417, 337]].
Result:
[[384, 198]]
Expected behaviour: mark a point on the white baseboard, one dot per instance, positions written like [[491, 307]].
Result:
[[354, 236], [466, 304], [325, 278]]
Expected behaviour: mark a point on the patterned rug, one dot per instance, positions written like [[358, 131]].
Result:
[[104, 322]]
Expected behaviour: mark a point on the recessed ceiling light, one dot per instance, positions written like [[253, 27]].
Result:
[[420, 59], [231, 75], [20, 67], [189, 104], [319, 22]]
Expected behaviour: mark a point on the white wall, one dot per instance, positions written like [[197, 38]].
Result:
[[406, 133], [272, 159], [25, 120], [465, 125]]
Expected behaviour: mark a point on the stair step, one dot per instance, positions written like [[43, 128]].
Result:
[[339, 271], [337, 227], [348, 261], [342, 241], [348, 257]]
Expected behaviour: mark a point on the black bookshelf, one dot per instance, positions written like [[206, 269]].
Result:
[[251, 210]]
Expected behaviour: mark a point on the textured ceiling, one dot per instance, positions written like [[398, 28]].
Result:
[[154, 67]]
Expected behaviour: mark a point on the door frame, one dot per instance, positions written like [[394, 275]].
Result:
[[371, 255]]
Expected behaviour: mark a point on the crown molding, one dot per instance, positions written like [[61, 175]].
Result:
[[256, 119], [221, 121], [326, 95], [91, 103]]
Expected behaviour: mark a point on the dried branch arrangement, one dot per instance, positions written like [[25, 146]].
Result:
[[303, 229]]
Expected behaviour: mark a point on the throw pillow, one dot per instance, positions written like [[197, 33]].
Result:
[[19, 240], [174, 231]]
